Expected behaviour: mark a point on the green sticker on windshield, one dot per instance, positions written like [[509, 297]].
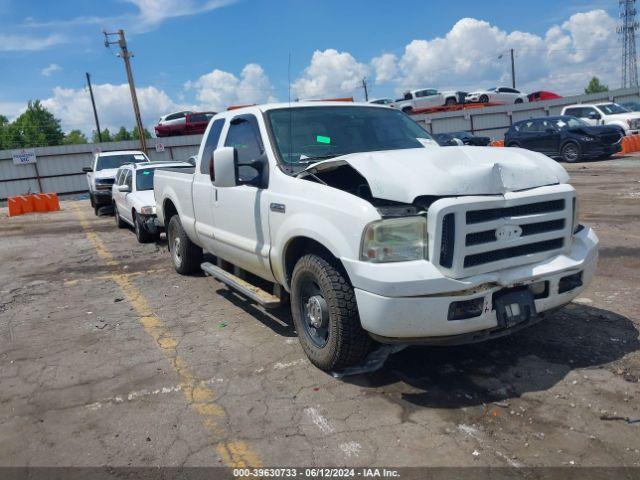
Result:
[[146, 172], [323, 139]]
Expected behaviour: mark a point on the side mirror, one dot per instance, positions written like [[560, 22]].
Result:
[[223, 167], [87, 169], [594, 116], [550, 130], [124, 188]]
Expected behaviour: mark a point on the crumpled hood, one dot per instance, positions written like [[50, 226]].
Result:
[[597, 130], [403, 175]]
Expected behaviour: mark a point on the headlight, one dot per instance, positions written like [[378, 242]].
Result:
[[576, 215], [395, 240], [148, 210]]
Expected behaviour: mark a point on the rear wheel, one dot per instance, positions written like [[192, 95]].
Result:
[[570, 152], [513, 144], [185, 254], [518, 100], [325, 314], [450, 101], [407, 109], [119, 222]]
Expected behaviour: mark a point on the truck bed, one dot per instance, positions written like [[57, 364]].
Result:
[[174, 184]]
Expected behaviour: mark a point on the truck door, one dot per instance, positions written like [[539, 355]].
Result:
[[203, 189], [241, 213]]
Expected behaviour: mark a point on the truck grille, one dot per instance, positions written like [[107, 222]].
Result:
[[474, 235]]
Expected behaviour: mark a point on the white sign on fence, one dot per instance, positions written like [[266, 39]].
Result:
[[24, 156], [159, 147]]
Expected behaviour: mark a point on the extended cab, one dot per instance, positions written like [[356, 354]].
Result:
[[427, 98], [373, 230], [606, 114]]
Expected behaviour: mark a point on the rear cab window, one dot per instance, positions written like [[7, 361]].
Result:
[[211, 144]]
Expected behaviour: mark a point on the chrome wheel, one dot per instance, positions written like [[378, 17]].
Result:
[[315, 313], [570, 152], [175, 252]]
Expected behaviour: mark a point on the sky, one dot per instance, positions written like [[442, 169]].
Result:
[[209, 54]]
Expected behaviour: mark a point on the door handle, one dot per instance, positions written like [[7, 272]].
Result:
[[277, 207]]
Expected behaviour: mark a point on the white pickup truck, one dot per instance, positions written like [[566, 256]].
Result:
[[606, 114], [374, 231], [428, 98]]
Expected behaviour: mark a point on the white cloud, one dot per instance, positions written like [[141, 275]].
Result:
[[21, 43], [113, 102], [51, 68], [467, 57], [153, 12], [218, 89], [330, 74]]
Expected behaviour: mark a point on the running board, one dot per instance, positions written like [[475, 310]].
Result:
[[252, 292]]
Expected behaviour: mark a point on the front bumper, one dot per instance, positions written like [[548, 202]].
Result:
[[102, 197], [151, 223], [409, 302], [594, 149]]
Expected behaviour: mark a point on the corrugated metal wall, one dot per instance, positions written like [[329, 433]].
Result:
[[60, 168], [494, 121]]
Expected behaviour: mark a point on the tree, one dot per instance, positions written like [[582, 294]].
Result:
[[75, 137], [122, 134], [37, 127], [106, 136], [136, 135], [595, 86]]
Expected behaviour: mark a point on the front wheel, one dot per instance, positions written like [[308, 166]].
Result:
[[407, 109], [519, 100], [325, 314], [483, 99], [119, 222], [450, 101], [570, 152], [142, 234], [185, 254]]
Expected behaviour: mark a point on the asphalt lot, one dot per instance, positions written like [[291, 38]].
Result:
[[108, 357]]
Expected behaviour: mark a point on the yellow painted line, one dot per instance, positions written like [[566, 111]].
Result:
[[109, 276], [234, 453]]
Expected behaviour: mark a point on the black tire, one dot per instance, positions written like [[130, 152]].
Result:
[[450, 101], [338, 341], [571, 152], [119, 222], [483, 99], [185, 255], [519, 100], [92, 200], [513, 144], [142, 234], [96, 210], [407, 109]]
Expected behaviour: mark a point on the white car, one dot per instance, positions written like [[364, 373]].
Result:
[[497, 94], [383, 101], [133, 201], [102, 173], [607, 113], [374, 229], [427, 98]]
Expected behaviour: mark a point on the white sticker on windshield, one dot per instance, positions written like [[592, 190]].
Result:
[[426, 142], [561, 123], [139, 157]]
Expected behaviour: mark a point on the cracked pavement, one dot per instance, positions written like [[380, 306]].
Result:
[[85, 383]]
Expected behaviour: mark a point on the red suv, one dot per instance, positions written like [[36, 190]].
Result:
[[183, 123]]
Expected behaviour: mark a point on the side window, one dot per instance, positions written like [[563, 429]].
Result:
[[574, 112], [527, 126], [120, 176], [127, 179], [211, 145], [244, 136], [588, 111]]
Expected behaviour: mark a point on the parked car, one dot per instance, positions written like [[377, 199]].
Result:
[[183, 123], [383, 101], [497, 94], [374, 230], [133, 200], [426, 98], [542, 95], [102, 173], [606, 114], [631, 106], [567, 137], [461, 138]]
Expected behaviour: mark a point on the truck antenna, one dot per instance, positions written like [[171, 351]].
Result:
[[290, 114]]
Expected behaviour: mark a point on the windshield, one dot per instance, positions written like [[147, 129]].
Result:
[[306, 135], [116, 161], [612, 108], [569, 122], [492, 89], [144, 179]]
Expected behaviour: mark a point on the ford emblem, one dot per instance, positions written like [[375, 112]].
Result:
[[508, 232]]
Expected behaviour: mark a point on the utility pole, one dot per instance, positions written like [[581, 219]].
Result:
[[126, 55], [366, 92], [513, 71], [93, 103]]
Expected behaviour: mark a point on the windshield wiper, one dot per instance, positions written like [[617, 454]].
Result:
[[306, 160]]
